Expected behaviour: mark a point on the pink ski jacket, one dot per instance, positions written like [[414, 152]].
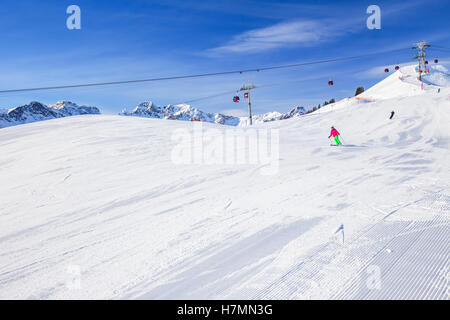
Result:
[[334, 133]]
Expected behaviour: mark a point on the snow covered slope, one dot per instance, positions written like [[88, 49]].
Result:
[[36, 111], [400, 84], [405, 83], [95, 207]]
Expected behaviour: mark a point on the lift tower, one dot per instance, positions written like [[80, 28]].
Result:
[[421, 56], [247, 95]]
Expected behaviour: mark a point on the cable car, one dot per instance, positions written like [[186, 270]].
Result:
[[397, 67], [246, 95], [386, 70], [330, 83], [436, 60], [236, 99], [426, 62]]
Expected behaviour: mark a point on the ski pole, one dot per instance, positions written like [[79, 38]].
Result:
[[331, 142]]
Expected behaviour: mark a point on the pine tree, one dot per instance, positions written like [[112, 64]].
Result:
[[359, 90]]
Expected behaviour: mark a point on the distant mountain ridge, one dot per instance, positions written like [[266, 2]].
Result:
[[179, 112], [189, 113], [36, 111]]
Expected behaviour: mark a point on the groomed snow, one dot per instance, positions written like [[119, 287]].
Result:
[[92, 207]]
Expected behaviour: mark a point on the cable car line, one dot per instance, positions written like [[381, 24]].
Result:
[[209, 97], [257, 87], [440, 47], [199, 75]]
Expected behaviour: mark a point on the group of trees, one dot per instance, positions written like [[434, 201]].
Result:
[[359, 90], [318, 107]]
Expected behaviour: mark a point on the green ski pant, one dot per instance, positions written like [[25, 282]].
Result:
[[336, 139]]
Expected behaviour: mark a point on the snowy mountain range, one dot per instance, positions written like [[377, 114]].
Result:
[[36, 111], [189, 113], [179, 112]]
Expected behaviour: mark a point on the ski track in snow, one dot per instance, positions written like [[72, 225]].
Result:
[[101, 194]]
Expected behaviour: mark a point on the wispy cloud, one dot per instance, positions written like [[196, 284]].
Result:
[[285, 34], [305, 32]]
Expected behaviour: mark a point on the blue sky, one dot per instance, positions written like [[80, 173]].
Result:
[[121, 40]]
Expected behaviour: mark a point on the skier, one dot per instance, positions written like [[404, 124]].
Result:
[[335, 134], [392, 114]]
